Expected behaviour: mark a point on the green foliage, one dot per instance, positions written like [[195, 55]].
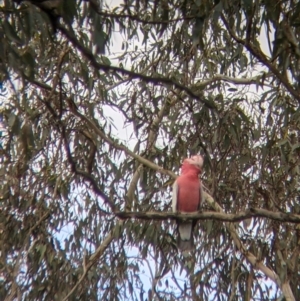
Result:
[[95, 88]]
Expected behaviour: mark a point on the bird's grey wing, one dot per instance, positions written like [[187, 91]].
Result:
[[201, 196], [175, 196]]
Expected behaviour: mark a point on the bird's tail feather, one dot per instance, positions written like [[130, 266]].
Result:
[[185, 237], [185, 245]]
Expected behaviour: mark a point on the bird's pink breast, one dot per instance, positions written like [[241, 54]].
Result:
[[188, 199]]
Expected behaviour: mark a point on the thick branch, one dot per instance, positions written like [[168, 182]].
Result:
[[212, 215]]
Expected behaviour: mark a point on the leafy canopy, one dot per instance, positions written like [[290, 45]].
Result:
[[104, 101]]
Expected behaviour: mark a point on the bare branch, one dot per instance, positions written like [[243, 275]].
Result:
[[212, 215]]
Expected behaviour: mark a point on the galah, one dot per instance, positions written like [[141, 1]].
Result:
[[187, 197]]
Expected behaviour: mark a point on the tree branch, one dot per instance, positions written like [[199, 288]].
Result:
[[212, 215]]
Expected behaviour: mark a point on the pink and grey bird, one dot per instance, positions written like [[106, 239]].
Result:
[[187, 197]]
